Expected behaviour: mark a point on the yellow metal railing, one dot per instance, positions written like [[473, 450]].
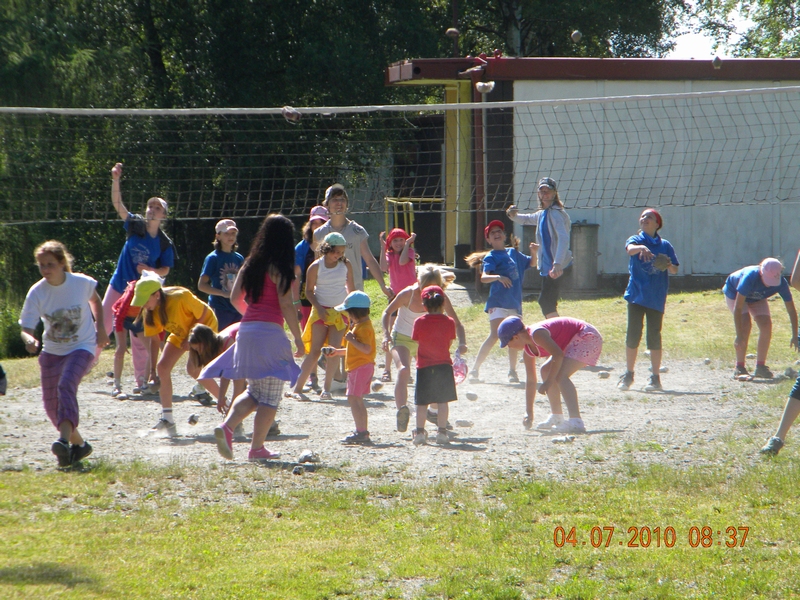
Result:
[[400, 211]]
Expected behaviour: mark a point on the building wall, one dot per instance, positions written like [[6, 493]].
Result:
[[728, 200]]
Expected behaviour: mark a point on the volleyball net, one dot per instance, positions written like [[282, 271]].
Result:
[[718, 148]]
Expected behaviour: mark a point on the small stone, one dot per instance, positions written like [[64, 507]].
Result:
[[706, 361], [790, 372], [472, 396], [377, 386], [604, 374], [663, 370], [463, 423], [308, 456], [298, 470], [647, 352], [193, 419], [750, 356], [564, 439]]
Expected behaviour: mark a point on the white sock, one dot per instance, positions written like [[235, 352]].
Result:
[[166, 414]]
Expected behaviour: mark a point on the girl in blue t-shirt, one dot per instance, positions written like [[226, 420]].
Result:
[[503, 268], [219, 273], [147, 248], [647, 294], [746, 292]]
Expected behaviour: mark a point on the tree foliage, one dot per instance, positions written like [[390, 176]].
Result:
[[775, 31], [610, 28]]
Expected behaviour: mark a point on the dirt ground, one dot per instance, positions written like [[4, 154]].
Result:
[[691, 423]]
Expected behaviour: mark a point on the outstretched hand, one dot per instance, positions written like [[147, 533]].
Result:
[[116, 171]]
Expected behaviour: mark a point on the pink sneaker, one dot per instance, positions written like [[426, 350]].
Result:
[[224, 435], [262, 454]]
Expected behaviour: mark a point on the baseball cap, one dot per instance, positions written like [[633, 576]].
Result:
[[225, 225], [396, 233], [510, 327], [546, 182], [354, 300], [335, 239], [319, 213], [494, 223], [771, 270], [145, 287], [431, 291], [337, 189]]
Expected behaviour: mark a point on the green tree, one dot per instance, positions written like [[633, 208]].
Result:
[[775, 31], [630, 28]]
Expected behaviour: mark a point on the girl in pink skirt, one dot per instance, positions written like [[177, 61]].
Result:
[[570, 345]]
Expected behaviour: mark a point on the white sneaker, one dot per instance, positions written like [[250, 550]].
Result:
[[338, 386], [198, 389], [570, 426], [420, 437], [552, 421]]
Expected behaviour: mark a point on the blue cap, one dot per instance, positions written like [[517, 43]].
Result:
[[510, 327], [354, 300]]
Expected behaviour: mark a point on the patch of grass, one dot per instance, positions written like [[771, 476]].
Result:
[[445, 539]]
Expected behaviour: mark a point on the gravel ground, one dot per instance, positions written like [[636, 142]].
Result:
[[691, 423]]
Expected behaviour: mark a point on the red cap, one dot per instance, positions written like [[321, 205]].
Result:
[[431, 291], [489, 227], [396, 233]]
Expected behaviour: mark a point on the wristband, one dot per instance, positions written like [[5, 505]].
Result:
[[296, 302]]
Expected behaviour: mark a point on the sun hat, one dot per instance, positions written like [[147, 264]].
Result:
[[510, 327], [494, 223], [546, 182], [771, 270], [335, 239], [225, 225], [319, 213], [396, 233], [354, 300], [145, 287]]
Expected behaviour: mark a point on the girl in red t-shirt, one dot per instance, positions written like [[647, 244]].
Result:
[[434, 332]]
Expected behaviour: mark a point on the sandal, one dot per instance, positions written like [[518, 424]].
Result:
[[298, 397], [387, 376], [326, 396]]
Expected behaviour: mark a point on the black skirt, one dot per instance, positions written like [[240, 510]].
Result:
[[435, 384]]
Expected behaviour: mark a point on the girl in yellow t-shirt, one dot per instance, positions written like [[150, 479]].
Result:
[[174, 310]]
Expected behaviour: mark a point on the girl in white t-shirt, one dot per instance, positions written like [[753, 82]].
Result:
[[328, 281], [65, 302]]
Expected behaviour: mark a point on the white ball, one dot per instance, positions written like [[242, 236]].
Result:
[[576, 36]]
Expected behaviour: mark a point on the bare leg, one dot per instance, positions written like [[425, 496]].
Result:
[[655, 360], [630, 357], [319, 331], [166, 363], [487, 345], [403, 356], [553, 392], [265, 417], [741, 349], [568, 391], [359, 411], [764, 324], [513, 355], [790, 414], [335, 340], [243, 406], [444, 412]]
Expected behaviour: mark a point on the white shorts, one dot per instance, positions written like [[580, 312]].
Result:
[[501, 313]]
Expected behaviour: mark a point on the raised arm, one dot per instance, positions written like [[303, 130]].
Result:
[[404, 255], [116, 194]]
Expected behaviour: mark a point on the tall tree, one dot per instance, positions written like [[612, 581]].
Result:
[[609, 28], [775, 31]]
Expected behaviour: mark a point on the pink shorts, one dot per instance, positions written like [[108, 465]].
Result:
[[756, 309], [359, 380], [585, 346]]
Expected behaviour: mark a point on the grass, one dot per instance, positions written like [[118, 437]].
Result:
[[135, 530]]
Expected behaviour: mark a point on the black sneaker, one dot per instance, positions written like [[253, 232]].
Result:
[[274, 429], [357, 437], [78, 453], [654, 385], [61, 449], [626, 381], [512, 377], [763, 372]]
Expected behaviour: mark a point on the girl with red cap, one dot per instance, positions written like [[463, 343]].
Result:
[[503, 268], [399, 260], [651, 260]]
